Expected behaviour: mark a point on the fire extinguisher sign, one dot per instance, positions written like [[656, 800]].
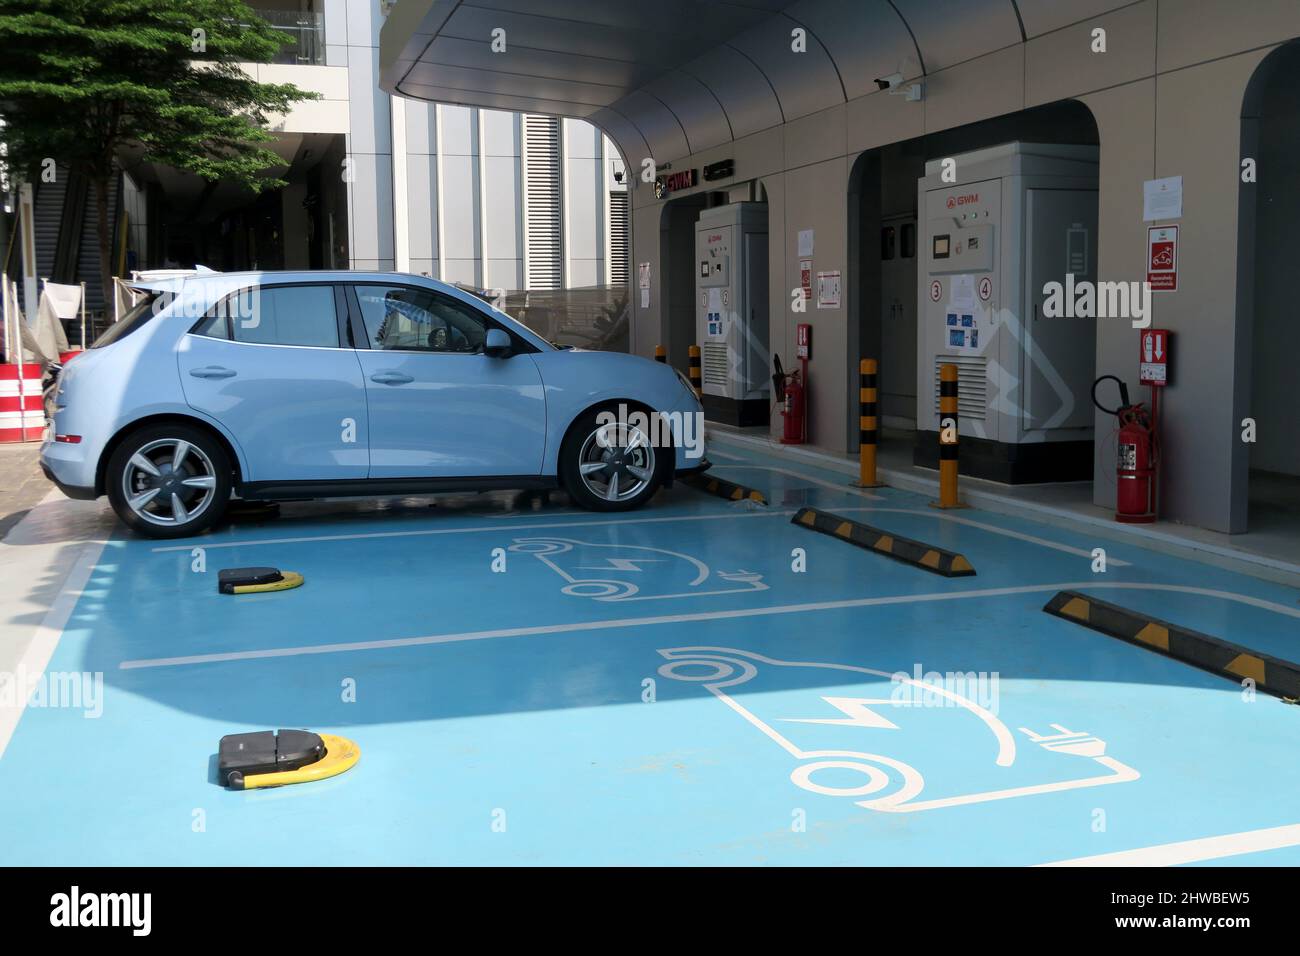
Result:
[[1153, 368]]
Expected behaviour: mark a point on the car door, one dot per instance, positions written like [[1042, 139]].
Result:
[[269, 363], [439, 406]]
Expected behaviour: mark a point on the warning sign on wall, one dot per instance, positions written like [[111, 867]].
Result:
[[1162, 258]]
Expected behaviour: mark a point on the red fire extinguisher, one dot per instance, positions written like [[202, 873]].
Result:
[[1136, 466], [789, 391]]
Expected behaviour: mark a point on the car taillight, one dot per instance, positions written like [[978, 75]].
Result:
[[69, 439]]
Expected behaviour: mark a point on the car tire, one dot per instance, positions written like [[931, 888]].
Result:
[[591, 492], [145, 460]]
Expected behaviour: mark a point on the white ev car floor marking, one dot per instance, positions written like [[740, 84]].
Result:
[[605, 589], [1194, 851], [687, 618], [729, 660]]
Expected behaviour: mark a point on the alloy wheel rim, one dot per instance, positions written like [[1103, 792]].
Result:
[[169, 482], [617, 462]]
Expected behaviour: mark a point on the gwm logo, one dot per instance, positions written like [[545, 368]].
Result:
[[954, 201]]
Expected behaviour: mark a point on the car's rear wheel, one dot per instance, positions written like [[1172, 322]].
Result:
[[169, 481], [611, 465]]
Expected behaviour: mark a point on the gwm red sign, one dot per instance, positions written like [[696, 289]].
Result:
[[955, 201], [672, 182]]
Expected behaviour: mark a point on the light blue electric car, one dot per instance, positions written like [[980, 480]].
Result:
[[292, 385]]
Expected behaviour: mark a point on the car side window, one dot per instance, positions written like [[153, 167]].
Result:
[[408, 319], [276, 315], [214, 325]]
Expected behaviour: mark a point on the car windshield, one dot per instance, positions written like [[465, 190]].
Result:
[[134, 319]]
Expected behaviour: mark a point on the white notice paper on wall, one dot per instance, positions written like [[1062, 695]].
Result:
[[805, 242], [645, 298], [1162, 199], [963, 293]]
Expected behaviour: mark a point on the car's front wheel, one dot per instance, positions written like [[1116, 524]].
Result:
[[611, 465], [169, 481]]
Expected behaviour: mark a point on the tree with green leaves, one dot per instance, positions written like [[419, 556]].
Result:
[[81, 80]]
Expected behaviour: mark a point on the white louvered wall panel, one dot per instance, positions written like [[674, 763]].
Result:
[[543, 205]]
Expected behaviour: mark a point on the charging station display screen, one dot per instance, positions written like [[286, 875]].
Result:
[[940, 250]]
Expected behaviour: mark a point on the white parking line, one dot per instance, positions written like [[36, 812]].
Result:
[[1194, 851], [31, 666], [994, 529], [845, 488], [531, 526], [1006, 532], [684, 619]]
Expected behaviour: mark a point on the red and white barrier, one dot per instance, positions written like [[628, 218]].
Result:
[[22, 409]]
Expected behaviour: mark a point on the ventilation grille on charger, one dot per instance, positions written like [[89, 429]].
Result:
[[714, 364], [972, 384]]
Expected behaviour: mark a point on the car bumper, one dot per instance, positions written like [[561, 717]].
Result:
[[695, 467], [69, 467]]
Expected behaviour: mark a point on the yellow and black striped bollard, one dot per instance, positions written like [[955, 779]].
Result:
[[948, 416], [868, 424], [693, 371], [661, 354]]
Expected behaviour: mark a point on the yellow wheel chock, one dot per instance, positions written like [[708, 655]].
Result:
[[256, 580], [267, 759]]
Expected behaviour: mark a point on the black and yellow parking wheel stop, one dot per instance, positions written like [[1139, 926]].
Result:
[[917, 553], [725, 489], [267, 759], [1270, 674], [256, 580]]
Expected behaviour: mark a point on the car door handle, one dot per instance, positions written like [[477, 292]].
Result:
[[391, 378], [213, 371]]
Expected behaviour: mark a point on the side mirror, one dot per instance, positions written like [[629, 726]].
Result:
[[497, 343]]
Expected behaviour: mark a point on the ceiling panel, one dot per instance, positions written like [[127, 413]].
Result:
[[669, 17], [496, 101], [746, 96], [544, 63], [804, 82], [626, 137], [587, 39], [1043, 16], [954, 31], [662, 130], [690, 100], [865, 38], [509, 84]]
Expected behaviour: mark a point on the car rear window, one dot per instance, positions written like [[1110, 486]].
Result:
[[275, 315], [134, 319]]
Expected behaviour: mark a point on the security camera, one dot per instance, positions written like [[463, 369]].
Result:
[[889, 82]]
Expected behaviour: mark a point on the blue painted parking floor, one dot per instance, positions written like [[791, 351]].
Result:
[[664, 687]]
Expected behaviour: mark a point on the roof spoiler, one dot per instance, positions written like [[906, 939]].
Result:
[[159, 280]]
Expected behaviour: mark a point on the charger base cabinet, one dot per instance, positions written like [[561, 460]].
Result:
[[731, 320], [1018, 216]]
